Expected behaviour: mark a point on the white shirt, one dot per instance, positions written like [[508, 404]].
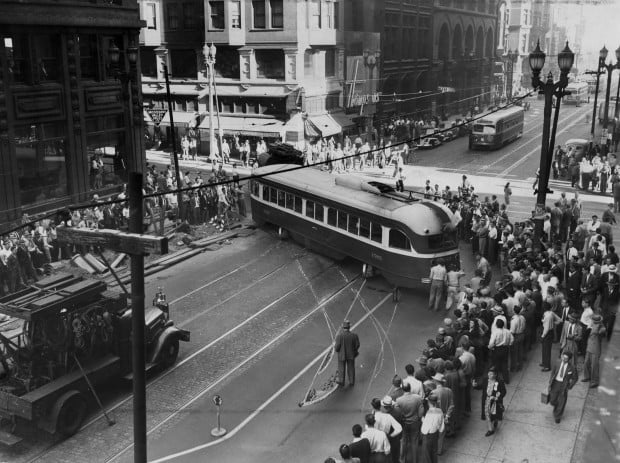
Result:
[[586, 317], [379, 442], [416, 386], [494, 327], [384, 422], [561, 372], [501, 338], [433, 421]]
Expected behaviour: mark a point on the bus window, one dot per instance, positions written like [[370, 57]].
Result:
[[399, 240], [365, 228], [331, 216], [289, 200], [353, 224], [318, 212], [342, 220], [376, 232], [310, 209], [281, 197], [273, 195], [297, 204]]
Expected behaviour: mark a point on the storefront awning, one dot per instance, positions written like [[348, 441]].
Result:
[[326, 125], [248, 126], [343, 120], [181, 118]]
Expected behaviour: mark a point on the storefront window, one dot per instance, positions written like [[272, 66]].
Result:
[[41, 162], [47, 48], [89, 67], [17, 54], [107, 151], [269, 64]]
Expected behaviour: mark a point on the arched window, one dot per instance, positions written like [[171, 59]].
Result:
[[443, 49], [479, 43], [457, 43]]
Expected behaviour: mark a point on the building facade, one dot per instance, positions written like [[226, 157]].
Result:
[[464, 52], [279, 67], [406, 59], [69, 127]]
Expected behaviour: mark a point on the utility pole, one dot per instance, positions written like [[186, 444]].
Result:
[[175, 155]]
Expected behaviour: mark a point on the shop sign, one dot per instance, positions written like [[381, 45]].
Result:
[[446, 89], [359, 100]]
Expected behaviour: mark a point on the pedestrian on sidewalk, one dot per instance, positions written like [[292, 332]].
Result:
[[346, 345], [593, 351], [563, 377], [432, 425], [499, 345], [438, 280], [571, 336], [412, 407], [507, 194], [550, 319], [493, 393], [379, 443], [359, 446]]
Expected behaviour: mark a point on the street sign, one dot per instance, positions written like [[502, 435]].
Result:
[[156, 114], [217, 400], [539, 211]]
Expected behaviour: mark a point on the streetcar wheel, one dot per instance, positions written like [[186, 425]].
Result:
[[282, 233], [366, 270], [71, 416], [170, 352], [396, 295]]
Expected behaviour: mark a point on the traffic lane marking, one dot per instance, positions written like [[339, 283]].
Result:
[[273, 397], [245, 361]]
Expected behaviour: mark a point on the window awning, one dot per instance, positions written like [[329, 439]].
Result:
[[181, 118], [248, 126], [326, 125], [343, 120]]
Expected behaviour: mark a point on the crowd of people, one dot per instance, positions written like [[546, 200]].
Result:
[[25, 256], [543, 291]]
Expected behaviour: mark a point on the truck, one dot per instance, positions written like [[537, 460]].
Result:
[[75, 334]]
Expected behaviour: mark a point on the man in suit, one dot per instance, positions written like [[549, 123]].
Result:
[[573, 286], [360, 447], [610, 295], [589, 286], [563, 377], [571, 336], [346, 345], [593, 351]]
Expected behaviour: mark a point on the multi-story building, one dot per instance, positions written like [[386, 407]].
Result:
[[464, 54], [279, 67], [406, 58], [62, 105]]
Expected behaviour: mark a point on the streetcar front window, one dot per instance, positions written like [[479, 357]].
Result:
[[399, 240], [484, 129]]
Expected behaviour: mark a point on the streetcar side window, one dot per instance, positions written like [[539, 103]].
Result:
[[365, 228], [342, 220], [310, 209], [318, 212], [255, 188], [376, 232], [297, 204], [399, 240], [273, 195], [281, 197], [265, 193], [289, 200], [331, 216], [353, 224]]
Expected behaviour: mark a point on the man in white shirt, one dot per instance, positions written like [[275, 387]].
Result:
[[379, 443], [414, 385], [517, 328], [499, 344], [438, 280]]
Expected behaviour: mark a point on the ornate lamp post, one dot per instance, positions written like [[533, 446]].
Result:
[[618, 86], [602, 56], [550, 90], [209, 52], [610, 69]]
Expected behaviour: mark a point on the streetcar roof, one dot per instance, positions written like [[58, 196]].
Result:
[[492, 118], [422, 217]]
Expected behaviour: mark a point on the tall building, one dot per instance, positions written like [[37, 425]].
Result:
[[406, 58], [464, 54], [62, 105], [279, 67]]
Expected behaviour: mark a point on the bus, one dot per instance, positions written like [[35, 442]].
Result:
[[579, 93], [342, 216], [497, 129]]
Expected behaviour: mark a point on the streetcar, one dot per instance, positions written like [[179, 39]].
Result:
[[497, 129], [579, 93], [347, 216]]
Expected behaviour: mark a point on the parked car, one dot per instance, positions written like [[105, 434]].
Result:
[[429, 143]]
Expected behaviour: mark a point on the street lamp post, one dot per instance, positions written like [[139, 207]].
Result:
[[550, 90], [610, 69], [601, 60], [617, 86], [209, 52]]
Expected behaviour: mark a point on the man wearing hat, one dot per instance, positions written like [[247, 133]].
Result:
[[384, 421], [346, 345], [445, 400], [571, 336], [563, 377], [593, 351]]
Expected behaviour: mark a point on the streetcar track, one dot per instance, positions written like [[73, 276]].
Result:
[[251, 357]]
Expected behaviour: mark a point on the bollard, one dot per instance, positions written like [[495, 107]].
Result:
[[219, 431]]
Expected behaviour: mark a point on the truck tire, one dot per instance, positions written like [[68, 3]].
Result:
[[71, 415], [169, 352]]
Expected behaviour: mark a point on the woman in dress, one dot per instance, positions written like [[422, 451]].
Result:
[[493, 393]]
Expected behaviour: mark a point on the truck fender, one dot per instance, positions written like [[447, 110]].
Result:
[[171, 332], [50, 422]]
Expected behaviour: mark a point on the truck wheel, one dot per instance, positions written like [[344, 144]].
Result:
[[170, 352], [71, 416]]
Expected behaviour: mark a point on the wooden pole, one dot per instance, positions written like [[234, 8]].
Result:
[[175, 155], [137, 322]]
